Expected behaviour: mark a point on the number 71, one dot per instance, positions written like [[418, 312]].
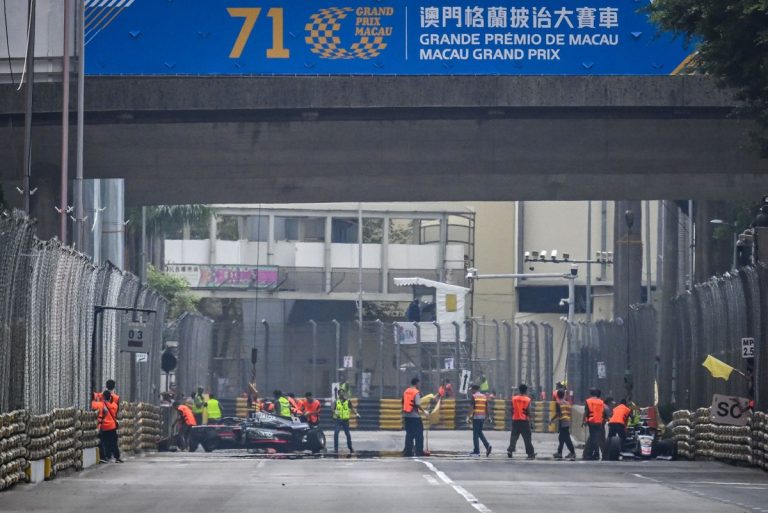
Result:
[[251, 14]]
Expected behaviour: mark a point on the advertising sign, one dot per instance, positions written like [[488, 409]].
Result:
[[376, 37], [226, 276]]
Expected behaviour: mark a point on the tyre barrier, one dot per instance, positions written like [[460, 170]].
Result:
[[698, 438], [542, 413], [66, 438], [125, 428]]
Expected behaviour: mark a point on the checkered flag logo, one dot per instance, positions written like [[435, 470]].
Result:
[[323, 39]]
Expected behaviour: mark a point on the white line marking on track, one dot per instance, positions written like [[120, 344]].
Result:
[[431, 480], [471, 499], [261, 464]]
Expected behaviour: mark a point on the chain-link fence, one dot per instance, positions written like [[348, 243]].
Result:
[[194, 334], [597, 356], [712, 319], [47, 341]]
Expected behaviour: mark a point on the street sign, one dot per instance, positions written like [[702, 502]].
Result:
[[349, 362], [136, 337], [448, 364], [464, 381], [748, 347], [335, 390], [601, 374], [142, 357], [729, 410]]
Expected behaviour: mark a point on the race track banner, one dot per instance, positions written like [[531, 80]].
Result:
[[376, 37]]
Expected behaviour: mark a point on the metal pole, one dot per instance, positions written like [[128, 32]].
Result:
[[65, 127], [457, 358], [497, 367], [266, 355], [572, 297], [439, 366], [360, 274], [314, 353], [692, 247], [336, 363], [380, 326], [589, 266], [418, 349], [508, 374], [143, 262], [398, 338], [648, 251], [79, 211], [30, 58]]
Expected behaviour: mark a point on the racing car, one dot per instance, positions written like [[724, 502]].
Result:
[[261, 431], [642, 442]]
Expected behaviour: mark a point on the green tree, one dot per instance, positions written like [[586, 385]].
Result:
[[732, 45], [175, 290]]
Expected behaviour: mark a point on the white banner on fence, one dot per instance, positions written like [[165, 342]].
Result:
[[405, 332]]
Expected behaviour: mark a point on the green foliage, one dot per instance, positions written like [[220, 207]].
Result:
[[169, 220], [175, 290], [732, 41]]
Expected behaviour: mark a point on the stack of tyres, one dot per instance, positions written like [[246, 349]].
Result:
[[760, 440], [125, 429], [447, 415], [13, 451], [703, 433], [463, 411], [732, 443], [499, 413], [41, 443], [369, 414], [541, 415], [147, 424], [353, 421], [89, 428], [682, 431], [67, 454], [390, 414]]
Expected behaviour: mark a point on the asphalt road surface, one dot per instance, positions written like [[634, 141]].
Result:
[[449, 482]]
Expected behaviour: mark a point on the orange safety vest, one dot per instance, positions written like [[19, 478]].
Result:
[[187, 415], [409, 396], [520, 404], [596, 408], [481, 405], [441, 391], [620, 414], [295, 407], [311, 410], [107, 419]]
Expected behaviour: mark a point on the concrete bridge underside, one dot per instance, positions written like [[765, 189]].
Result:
[[315, 139]]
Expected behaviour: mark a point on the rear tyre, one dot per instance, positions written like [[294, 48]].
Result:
[[211, 444], [613, 448], [316, 440]]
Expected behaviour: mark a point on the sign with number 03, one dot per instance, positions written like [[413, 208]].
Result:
[[377, 37], [748, 347], [136, 337]]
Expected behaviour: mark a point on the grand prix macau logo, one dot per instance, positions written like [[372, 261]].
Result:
[[327, 28]]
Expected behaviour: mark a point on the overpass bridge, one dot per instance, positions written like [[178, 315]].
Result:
[[409, 138]]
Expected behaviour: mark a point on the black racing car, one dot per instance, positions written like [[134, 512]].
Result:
[[262, 431]]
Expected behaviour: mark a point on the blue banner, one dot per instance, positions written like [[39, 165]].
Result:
[[376, 37]]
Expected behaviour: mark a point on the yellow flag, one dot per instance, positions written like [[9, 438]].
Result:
[[717, 368]]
